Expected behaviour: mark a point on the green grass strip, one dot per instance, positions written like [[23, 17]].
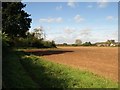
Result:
[[14, 75]]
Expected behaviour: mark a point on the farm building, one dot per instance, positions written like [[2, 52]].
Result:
[[102, 44], [108, 43]]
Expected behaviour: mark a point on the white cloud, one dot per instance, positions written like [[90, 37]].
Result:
[[46, 20], [70, 34], [111, 35], [48, 28], [78, 18], [109, 17], [59, 19], [64, 39], [116, 18], [90, 6], [69, 30], [59, 7], [71, 3], [85, 32], [102, 3], [50, 20]]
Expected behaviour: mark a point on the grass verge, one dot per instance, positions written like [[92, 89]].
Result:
[[14, 75]]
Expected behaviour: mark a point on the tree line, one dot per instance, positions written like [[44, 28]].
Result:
[[15, 28]]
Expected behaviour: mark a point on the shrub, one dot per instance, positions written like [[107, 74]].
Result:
[[65, 44], [87, 44], [5, 42], [74, 45], [32, 42], [53, 44], [37, 43], [48, 44]]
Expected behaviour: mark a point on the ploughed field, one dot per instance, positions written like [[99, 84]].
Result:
[[99, 60]]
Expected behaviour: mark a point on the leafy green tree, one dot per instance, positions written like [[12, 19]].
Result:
[[53, 43], [87, 44], [110, 41], [64, 44], [15, 21]]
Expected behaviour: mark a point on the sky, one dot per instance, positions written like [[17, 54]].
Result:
[[64, 22]]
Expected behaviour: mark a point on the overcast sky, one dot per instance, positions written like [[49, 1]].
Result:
[[64, 22]]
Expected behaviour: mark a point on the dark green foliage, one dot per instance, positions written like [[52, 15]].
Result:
[[87, 44], [75, 45], [37, 43], [5, 43], [29, 41], [48, 44], [43, 44], [110, 41], [64, 44], [32, 42], [5, 40], [53, 43], [15, 21]]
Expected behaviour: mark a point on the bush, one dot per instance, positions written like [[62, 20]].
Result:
[[87, 44], [5, 39], [65, 44], [32, 42], [20, 42], [53, 44], [5, 42], [37, 43], [74, 45], [48, 44]]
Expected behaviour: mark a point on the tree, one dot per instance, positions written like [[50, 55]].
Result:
[[110, 41], [39, 33], [65, 44], [87, 44], [15, 21], [78, 42], [53, 43]]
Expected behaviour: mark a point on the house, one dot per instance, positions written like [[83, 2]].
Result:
[[100, 44], [111, 43]]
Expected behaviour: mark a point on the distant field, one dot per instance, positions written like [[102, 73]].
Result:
[[100, 60]]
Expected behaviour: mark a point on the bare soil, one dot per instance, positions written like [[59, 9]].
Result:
[[99, 60]]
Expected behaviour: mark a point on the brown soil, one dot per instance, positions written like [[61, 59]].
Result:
[[99, 60]]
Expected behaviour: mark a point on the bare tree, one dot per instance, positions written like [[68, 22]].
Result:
[[78, 42], [39, 33]]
